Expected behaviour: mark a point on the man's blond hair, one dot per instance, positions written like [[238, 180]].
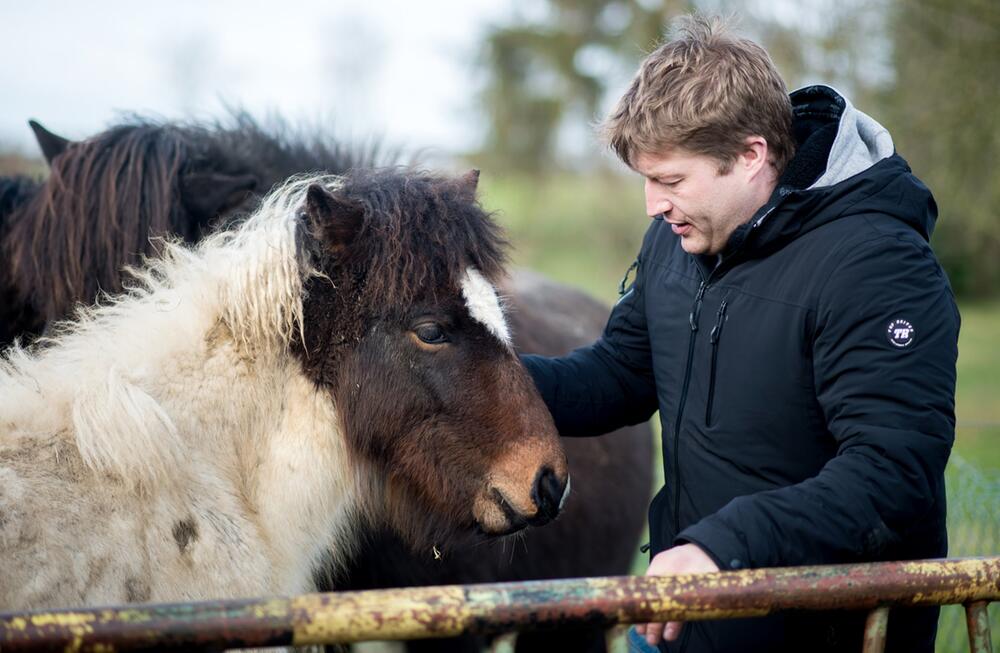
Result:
[[705, 91]]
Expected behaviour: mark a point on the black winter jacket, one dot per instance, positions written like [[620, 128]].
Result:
[[805, 380]]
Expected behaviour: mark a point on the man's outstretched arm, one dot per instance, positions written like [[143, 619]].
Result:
[[609, 384]]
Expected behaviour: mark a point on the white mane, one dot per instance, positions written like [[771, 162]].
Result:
[[177, 418], [246, 282]]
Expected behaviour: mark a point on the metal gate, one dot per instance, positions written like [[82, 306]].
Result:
[[450, 610]]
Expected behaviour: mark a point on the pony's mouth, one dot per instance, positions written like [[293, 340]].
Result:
[[497, 515]]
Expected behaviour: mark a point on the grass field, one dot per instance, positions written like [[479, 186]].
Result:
[[586, 233]]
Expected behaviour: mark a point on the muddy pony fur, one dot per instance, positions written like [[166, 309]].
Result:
[[599, 530]]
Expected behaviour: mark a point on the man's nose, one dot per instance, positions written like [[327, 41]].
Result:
[[656, 201]]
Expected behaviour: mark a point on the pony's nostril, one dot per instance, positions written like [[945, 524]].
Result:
[[548, 493]]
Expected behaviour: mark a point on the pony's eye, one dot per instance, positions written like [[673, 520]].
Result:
[[431, 332]]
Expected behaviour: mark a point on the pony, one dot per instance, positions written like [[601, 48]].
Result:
[[233, 418], [597, 532]]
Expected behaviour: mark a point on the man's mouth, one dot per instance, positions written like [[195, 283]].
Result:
[[680, 228]]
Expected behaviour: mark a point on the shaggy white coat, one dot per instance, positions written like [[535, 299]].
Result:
[[167, 445]]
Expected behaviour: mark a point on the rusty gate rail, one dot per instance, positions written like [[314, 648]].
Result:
[[502, 607]]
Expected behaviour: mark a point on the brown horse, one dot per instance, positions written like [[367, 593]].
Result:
[[209, 169]]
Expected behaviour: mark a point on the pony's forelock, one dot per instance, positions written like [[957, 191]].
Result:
[[422, 232], [263, 293]]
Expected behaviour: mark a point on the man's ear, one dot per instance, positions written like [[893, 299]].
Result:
[[209, 194], [333, 221], [755, 155], [51, 144]]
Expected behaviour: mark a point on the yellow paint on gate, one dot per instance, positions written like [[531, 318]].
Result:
[[415, 612]]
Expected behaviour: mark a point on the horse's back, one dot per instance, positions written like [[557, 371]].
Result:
[[47, 504]]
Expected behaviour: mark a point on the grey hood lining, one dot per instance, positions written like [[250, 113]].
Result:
[[861, 142]]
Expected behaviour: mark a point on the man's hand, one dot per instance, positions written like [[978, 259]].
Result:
[[683, 559]]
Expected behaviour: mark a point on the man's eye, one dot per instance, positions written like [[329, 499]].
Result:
[[431, 333]]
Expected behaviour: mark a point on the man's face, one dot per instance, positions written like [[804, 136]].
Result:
[[702, 206]]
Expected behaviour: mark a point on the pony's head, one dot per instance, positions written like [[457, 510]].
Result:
[[402, 326]]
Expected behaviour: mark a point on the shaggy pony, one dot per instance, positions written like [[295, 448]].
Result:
[[211, 433]]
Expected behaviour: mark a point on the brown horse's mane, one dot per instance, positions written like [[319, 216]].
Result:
[[108, 197]]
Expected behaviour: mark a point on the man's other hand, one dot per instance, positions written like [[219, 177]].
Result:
[[683, 559]]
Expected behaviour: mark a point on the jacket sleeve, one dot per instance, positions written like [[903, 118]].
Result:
[[609, 384], [888, 400]]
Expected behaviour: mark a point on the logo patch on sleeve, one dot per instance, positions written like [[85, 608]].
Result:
[[900, 333]]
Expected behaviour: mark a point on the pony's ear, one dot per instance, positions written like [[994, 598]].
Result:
[[468, 183], [208, 194], [52, 145], [333, 221]]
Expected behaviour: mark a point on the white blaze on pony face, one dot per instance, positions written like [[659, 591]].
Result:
[[484, 305]]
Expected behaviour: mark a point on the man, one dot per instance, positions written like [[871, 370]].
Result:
[[792, 325]]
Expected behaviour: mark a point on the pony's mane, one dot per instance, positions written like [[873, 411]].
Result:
[[108, 195], [248, 279], [102, 200], [276, 150], [252, 274], [421, 232]]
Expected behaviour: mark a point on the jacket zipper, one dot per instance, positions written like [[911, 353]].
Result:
[[720, 319], [693, 320]]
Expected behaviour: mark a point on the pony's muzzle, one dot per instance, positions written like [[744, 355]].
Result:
[[499, 512]]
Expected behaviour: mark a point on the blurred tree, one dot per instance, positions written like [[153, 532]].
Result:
[[942, 110], [927, 69], [555, 69], [551, 73]]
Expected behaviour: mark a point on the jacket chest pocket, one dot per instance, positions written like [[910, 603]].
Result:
[[714, 339], [755, 366]]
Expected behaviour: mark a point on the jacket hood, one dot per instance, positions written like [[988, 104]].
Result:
[[845, 164], [860, 141]]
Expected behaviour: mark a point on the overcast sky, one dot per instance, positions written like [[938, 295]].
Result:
[[396, 68]]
